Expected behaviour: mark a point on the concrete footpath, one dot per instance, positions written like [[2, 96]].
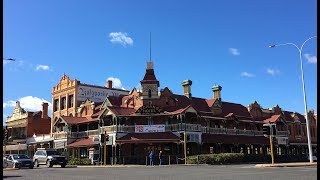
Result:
[[296, 164]]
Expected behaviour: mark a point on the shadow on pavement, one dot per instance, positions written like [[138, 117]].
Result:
[[11, 177]]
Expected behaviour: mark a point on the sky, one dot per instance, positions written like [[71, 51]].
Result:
[[210, 42]]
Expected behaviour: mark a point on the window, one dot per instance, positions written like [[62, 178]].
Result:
[[63, 103], [83, 152], [70, 101], [149, 93], [56, 105]]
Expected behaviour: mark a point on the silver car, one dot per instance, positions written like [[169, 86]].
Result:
[[19, 161], [49, 157]]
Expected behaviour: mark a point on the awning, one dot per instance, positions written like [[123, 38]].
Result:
[[83, 143], [234, 139], [17, 147], [41, 141], [159, 137]]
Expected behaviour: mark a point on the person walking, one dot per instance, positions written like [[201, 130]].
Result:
[[151, 156], [160, 158]]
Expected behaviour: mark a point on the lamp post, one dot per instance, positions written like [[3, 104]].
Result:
[[303, 89]]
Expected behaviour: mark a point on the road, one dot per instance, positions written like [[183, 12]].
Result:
[[174, 172]]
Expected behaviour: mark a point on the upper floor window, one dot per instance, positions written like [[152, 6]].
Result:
[[70, 101], [56, 105], [63, 103]]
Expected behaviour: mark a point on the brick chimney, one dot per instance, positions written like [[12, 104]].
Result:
[[109, 84], [44, 110], [187, 88], [217, 91]]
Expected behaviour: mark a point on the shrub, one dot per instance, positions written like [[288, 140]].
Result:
[[78, 161]]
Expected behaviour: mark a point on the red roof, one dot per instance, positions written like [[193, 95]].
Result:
[[150, 77], [236, 109], [121, 110], [234, 139], [115, 100], [77, 120], [148, 137], [211, 101], [82, 142], [273, 118]]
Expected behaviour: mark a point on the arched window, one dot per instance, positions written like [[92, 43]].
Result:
[[149, 93]]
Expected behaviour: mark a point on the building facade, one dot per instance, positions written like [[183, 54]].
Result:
[[67, 98], [152, 120], [25, 125]]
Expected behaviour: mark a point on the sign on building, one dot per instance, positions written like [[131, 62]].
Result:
[[97, 94], [149, 128], [282, 140]]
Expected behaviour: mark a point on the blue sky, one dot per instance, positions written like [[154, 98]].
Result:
[[209, 42]]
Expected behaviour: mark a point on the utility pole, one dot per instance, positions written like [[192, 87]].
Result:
[[105, 150], [271, 148], [185, 144]]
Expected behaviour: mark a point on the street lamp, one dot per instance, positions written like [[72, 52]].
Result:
[[304, 91]]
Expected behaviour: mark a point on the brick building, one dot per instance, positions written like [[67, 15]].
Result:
[[25, 124], [152, 119]]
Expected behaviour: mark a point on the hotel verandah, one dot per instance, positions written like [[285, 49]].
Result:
[[152, 120]]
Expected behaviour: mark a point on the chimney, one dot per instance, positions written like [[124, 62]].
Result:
[[187, 88], [216, 91], [109, 84], [44, 110]]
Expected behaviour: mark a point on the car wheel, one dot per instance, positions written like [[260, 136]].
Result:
[[16, 166], [36, 163], [31, 167], [63, 165], [49, 165]]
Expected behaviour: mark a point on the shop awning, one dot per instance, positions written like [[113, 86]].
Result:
[[17, 147], [158, 137], [234, 139], [83, 143]]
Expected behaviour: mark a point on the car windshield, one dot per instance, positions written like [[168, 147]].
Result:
[[20, 156], [50, 153]]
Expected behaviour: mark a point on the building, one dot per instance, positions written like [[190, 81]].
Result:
[[25, 125], [152, 120], [67, 97]]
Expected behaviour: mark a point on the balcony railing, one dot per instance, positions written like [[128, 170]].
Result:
[[282, 133], [168, 128]]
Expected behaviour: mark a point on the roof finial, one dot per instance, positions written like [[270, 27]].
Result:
[[150, 47]]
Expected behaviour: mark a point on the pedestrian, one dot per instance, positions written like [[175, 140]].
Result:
[[160, 158], [151, 156]]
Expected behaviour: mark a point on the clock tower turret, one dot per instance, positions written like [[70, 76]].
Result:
[[150, 84]]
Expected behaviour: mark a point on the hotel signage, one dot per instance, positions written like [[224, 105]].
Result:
[[149, 109], [149, 128], [97, 94]]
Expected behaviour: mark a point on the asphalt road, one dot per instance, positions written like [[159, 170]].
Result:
[[174, 172]]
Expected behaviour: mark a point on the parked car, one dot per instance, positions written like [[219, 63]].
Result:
[[19, 161], [49, 157]]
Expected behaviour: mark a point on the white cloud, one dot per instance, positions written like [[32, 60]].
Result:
[[234, 51], [42, 67], [116, 83], [121, 38], [29, 103], [9, 103], [311, 59], [273, 72], [246, 74]]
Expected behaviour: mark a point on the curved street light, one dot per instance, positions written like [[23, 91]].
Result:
[[304, 91]]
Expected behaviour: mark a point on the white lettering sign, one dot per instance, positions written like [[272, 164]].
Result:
[[149, 128], [96, 94]]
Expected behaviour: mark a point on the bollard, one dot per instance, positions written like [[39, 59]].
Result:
[[169, 159]]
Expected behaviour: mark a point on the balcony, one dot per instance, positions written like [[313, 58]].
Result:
[[168, 128], [282, 133]]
